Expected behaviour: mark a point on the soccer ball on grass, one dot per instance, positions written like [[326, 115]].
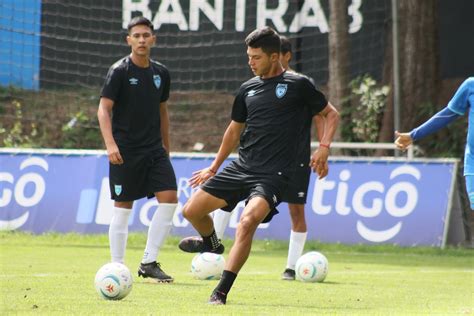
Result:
[[113, 281], [207, 266], [312, 267]]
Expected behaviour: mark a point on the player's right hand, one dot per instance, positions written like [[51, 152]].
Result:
[[403, 140], [114, 155], [319, 162], [200, 176]]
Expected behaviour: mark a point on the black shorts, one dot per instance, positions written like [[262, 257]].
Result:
[[235, 184], [297, 188], [140, 175]]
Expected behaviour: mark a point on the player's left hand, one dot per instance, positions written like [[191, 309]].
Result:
[[200, 176], [319, 162]]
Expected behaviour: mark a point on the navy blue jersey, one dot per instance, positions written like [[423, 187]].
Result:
[[137, 93], [275, 111]]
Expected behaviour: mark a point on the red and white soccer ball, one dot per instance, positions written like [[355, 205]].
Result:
[[113, 281], [207, 266], [312, 267]]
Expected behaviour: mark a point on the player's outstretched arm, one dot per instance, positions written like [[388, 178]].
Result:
[[456, 107], [104, 115], [229, 142], [436, 122]]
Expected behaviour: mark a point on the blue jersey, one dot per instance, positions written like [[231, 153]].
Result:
[[462, 102]]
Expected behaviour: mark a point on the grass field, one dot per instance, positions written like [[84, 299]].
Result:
[[53, 274]]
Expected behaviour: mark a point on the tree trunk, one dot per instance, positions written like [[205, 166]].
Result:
[[338, 85], [419, 65], [386, 132]]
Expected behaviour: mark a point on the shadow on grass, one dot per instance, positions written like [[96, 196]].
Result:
[[173, 284]]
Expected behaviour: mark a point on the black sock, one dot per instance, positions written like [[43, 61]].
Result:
[[226, 282], [211, 242]]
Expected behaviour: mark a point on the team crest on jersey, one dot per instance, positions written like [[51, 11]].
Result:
[[281, 89], [157, 81], [118, 189]]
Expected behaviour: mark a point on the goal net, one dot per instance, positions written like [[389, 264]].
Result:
[[72, 43], [58, 53]]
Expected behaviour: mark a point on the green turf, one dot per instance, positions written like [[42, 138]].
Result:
[[53, 274]]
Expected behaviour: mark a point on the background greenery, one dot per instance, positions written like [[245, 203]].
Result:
[[68, 119]]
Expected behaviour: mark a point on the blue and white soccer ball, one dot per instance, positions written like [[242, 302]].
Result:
[[312, 267], [207, 266], [113, 281]]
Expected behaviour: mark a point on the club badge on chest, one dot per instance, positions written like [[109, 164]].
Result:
[[281, 89], [157, 81]]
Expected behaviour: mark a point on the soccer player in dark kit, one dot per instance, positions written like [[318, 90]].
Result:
[[267, 117], [134, 122], [297, 189]]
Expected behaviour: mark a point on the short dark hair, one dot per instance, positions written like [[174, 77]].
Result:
[[265, 38], [285, 46], [139, 20]]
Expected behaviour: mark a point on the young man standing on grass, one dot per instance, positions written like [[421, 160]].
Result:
[[267, 118], [134, 122], [297, 190]]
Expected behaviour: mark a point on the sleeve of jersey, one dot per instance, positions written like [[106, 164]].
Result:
[[436, 122], [315, 98], [111, 87], [239, 109], [459, 103], [166, 88]]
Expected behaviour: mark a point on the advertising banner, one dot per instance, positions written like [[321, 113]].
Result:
[[360, 201]]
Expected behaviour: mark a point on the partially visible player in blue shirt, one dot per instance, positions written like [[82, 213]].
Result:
[[460, 104]]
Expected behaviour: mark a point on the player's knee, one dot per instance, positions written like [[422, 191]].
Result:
[[191, 211], [171, 198], [167, 196], [296, 209], [174, 200], [186, 211], [123, 204], [297, 212], [247, 224]]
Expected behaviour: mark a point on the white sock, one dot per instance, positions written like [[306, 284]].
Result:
[[295, 250], [221, 220], [118, 233], [158, 230]]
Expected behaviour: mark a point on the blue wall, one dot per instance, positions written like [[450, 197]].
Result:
[[370, 202], [20, 27]]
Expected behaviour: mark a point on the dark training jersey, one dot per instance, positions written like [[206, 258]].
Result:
[[137, 93], [275, 111]]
